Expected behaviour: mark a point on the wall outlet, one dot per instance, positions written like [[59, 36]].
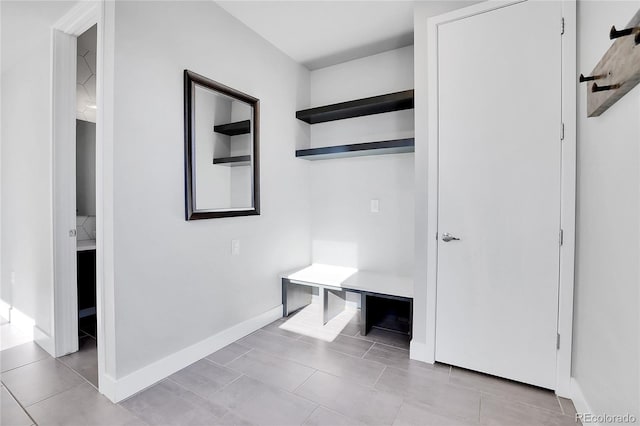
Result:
[[235, 247], [375, 206], [13, 277]]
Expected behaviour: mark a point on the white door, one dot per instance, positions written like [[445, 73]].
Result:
[[499, 118]]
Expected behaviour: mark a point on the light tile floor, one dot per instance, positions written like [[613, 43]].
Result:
[[85, 361], [291, 372]]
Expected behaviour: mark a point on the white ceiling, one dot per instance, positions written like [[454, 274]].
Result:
[[320, 33]]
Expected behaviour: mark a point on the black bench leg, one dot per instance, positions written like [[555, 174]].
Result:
[[284, 297], [365, 315]]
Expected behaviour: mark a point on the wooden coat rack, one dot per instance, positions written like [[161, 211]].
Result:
[[617, 72]]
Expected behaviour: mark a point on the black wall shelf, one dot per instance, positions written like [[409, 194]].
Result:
[[360, 107], [234, 129], [240, 160], [396, 146]]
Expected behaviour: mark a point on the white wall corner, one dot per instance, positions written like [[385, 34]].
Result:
[[579, 400], [119, 389], [421, 352]]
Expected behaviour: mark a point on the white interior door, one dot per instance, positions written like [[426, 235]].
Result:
[[499, 118]]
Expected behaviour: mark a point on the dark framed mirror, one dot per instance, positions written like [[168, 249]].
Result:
[[222, 161]]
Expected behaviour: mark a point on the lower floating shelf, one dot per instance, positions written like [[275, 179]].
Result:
[[240, 160], [396, 146]]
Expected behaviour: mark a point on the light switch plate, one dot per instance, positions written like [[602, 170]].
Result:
[[235, 247], [375, 206]]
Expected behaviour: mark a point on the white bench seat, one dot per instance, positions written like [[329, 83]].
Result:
[[334, 281]]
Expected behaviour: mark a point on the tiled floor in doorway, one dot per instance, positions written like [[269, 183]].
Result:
[[85, 361], [291, 372]]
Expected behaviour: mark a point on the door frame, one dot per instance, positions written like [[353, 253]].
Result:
[[64, 35], [568, 181]]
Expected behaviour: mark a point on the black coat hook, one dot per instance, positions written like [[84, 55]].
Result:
[[597, 88], [613, 34], [589, 78]]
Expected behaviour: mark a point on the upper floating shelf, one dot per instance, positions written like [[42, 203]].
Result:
[[367, 106], [234, 129], [396, 146]]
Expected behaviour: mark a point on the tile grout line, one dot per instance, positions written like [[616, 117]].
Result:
[[280, 334], [379, 376], [193, 392], [365, 354], [503, 396], [77, 374], [560, 403], [28, 363], [57, 393], [338, 413], [51, 396], [24, 410], [395, 418], [293, 392], [278, 356], [311, 413], [229, 410], [339, 351], [395, 347], [228, 362], [515, 401]]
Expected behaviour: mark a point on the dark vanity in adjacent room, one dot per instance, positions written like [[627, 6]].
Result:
[[86, 290], [86, 229]]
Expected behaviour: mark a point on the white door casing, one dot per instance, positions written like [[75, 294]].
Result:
[[81, 17], [499, 191]]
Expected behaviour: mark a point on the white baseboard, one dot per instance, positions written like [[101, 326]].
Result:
[[5, 310], [579, 400], [108, 386], [419, 352], [119, 389], [44, 340], [27, 325]]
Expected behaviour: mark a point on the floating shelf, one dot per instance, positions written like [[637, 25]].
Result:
[[367, 106], [396, 146], [234, 129], [240, 160]]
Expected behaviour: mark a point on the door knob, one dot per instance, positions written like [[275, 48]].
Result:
[[446, 237]]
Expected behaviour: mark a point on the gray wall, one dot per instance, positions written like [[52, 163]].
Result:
[[85, 168], [176, 282], [26, 234], [344, 230], [606, 333]]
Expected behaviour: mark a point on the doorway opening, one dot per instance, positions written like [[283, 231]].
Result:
[[85, 360]]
